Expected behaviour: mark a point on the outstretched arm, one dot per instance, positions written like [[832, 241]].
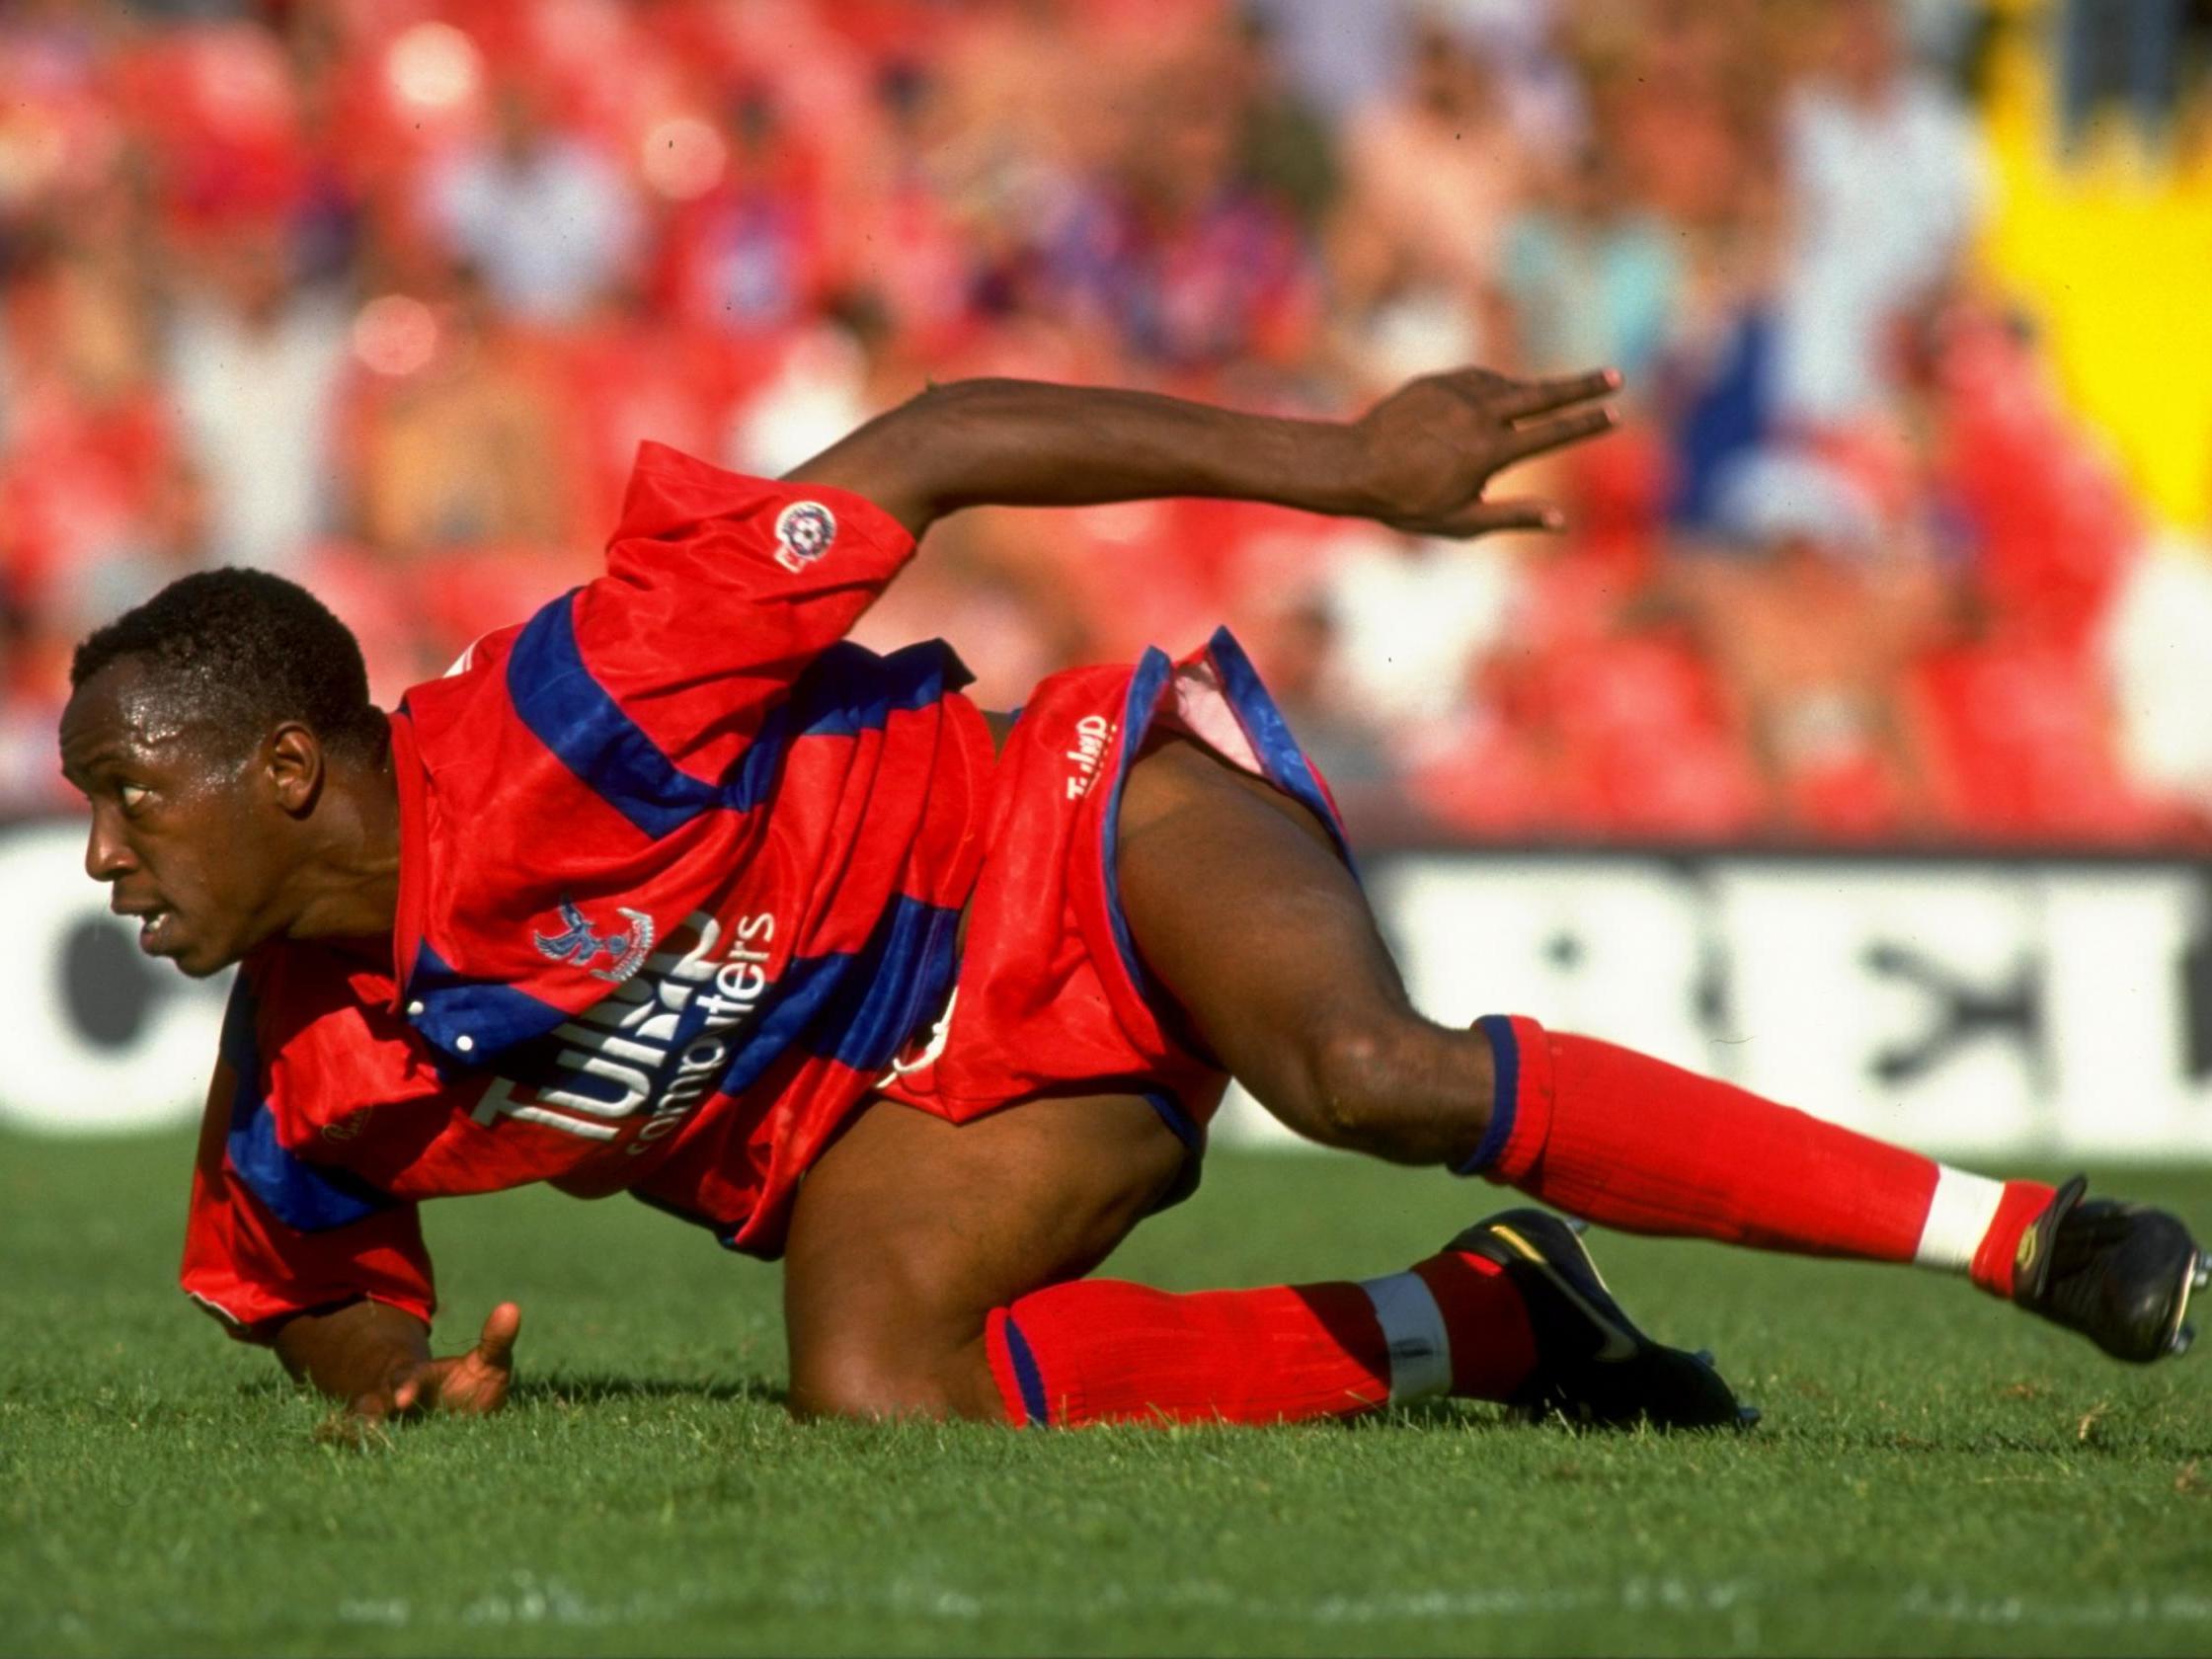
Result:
[[1419, 460]]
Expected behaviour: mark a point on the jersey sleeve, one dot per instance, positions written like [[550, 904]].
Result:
[[270, 1234], [719, 591], [623, 751]]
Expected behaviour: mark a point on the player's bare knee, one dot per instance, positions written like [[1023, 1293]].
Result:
[[1342, 1097], [1380, 1083], [867, 1383], [1355, 1083]]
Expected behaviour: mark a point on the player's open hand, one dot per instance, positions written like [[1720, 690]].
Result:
[[468, 1385], [1433, 445]]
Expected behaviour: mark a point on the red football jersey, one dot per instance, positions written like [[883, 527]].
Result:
[[673, 854]]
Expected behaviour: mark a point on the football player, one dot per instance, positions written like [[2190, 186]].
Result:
[[670, 889]]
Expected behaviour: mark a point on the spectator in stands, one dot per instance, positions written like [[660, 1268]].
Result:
[[548, 221], [1885, 183], [1411, 616], [471, 446], [254, 361], [2124, 51], [920, 242], [1813, 610], [751, 258], [1345, 58], [1589, 275], [1168, 252], [1432, 178], [1287, 148], [94, 500], [1275, 202]]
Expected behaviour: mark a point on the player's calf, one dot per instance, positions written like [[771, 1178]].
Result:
[[1511, 1310], [911, 1230], [1383, 1082]]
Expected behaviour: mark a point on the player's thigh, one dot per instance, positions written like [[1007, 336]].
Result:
[[910, 1230], [1242, 906]]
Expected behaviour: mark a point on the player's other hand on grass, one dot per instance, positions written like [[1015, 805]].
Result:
[[1431, 446], [469, 1385]]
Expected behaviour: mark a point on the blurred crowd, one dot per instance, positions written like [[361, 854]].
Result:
[[383, 294]]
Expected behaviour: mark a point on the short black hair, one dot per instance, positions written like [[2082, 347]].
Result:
[[247, 650]]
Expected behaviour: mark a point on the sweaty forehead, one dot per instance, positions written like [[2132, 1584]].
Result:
[[129, 711]]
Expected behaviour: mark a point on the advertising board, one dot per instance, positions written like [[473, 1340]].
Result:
[[1966, 1005]]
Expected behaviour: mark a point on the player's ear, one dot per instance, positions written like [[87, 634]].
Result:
[[294, 766]]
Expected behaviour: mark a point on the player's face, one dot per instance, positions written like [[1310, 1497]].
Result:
[[178, 832]]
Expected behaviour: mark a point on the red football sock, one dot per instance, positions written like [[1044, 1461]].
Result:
[[1100, 1350], [1637, 1143]]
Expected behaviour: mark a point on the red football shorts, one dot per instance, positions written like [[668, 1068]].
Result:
[[1051, 997]]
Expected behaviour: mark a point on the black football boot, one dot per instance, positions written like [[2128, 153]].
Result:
[[2118, 1273], [1594, 1367]]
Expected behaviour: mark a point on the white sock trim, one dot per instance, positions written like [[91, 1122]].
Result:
[[1958, 1219], [1413, 1331]]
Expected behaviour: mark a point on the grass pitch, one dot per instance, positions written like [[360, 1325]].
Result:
[[1935, 1474]]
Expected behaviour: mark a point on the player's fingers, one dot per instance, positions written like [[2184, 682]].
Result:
[[496, 1346], [1486, 517], [1473, 383], [406, 1393], [1556, 433], [372, 1405], [1540, 397], [477, 1381], [359, 1422]]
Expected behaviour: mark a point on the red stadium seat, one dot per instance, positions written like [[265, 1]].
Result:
[[2019, 735]]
